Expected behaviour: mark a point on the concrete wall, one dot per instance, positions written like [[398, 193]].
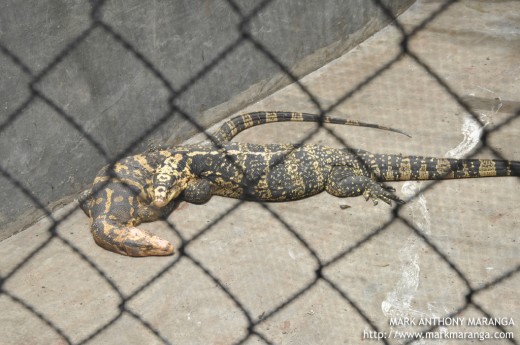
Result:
[[114, 98]]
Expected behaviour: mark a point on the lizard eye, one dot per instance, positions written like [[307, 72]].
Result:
[[163, 180]]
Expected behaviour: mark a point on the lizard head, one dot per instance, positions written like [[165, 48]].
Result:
[[165, 189], [169, 180]]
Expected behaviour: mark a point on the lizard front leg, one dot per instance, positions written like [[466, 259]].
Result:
[[198, 191]]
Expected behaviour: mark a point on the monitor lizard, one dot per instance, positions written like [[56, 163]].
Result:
[[122, 194]]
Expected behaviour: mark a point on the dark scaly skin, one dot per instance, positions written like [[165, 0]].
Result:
[[365, 175], [121, 198], [289, 172], [239, 123], [227, 131], [119, 201]]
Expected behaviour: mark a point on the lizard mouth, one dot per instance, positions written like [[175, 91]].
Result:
[[162, 199], [160, 202]]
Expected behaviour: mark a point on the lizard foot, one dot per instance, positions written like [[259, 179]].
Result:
[[378, 192]]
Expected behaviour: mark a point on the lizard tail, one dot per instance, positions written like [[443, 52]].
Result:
[[406, 168], [515, 168], [129, 241], [242, 122]]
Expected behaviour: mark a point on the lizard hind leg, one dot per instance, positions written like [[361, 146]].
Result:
[[128, 240], [348, 185]]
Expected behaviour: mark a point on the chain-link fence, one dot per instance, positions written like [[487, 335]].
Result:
[[252, 327]]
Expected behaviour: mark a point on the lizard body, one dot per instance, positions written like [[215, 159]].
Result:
[[122, 196], [279, 172]]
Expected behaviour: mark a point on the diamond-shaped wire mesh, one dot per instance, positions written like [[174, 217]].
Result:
[[255, 317]]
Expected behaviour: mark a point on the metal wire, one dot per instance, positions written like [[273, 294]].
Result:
[[97, 23]]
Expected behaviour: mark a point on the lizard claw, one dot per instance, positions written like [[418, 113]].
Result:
[[367, 194], [388, 188], [380, 192]]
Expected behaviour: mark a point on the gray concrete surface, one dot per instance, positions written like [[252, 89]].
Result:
[[107, 91], [475, 47]]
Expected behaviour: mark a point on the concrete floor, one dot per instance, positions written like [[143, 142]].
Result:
[[255, 266]]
